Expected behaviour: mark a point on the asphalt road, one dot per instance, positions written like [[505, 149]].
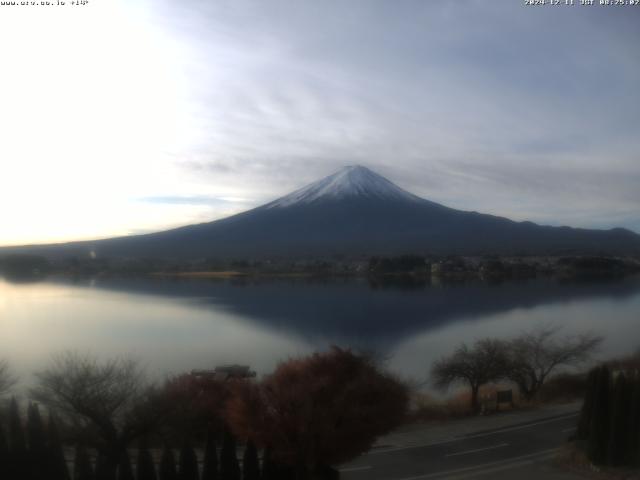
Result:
[[507, 452]]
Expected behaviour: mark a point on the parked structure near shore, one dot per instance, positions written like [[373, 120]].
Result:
[[226, 372]]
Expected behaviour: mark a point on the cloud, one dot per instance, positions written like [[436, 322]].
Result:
[[515, 110], [188, 200], [492, 106]]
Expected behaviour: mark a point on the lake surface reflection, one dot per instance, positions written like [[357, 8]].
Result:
[[178, 325]]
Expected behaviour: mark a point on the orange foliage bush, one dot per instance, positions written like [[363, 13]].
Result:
[[319, 410], [196, 403]]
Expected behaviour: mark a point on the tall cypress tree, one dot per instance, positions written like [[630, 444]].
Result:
[[103, 470], [4, 446], [146, 469], [286, 472], [210, 467], [35, 432], [19, 465], [4, 455], [617, 448], [17, 442], [37, 442], [599, 426], [272, 470], [634, 423], [168, 465], [57, 463], [586, 412], [269, 469], [250, 462], [82, 469], [229, 467], [188, 462], [125, 472]]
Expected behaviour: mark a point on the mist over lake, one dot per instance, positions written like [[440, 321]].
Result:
[[179, 325]]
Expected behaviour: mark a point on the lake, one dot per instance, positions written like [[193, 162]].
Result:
[[174, 326]]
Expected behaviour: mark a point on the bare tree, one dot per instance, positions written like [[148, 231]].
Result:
[[6, 379], [535, 355], [110, 399], [484, 362]]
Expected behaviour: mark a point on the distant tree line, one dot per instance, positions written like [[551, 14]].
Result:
[[18, 265], [486, 267], [312, 413], [399, 264]]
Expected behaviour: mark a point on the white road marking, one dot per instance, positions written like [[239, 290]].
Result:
[[487, 467], [477, 450], [355, 469], [520, 427], [478, 435]]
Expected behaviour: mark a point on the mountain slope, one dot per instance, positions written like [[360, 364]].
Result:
[[355, 212]]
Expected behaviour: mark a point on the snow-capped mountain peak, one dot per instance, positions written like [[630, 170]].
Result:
[[350, 182]]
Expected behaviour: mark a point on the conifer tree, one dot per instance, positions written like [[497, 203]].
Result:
[[19, 465], [188, 462], [125, 472], [273, 470], [4, 446], [82, 469], [599, 426], [286, 472], [57, 463], [168, 465], [269, 469], [250, 463], [586, 413], [617, 448], [146, 469], [4, 454], [35, 432], [229, 467], [17, 442], [37, 443], [210, 467], [103, 470], [634, 423]]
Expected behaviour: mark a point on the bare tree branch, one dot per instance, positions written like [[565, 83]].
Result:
[[536, 354], [78, 384], [7, 381], [108, 397], [484, 362]]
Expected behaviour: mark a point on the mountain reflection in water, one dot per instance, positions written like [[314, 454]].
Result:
[[179, 324]]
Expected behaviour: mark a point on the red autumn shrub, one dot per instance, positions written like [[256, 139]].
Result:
[[319, 410], [196, 403]]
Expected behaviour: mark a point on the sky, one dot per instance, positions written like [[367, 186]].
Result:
[[121, 117]]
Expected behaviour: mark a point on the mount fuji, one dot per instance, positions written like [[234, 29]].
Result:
[[352, 212]]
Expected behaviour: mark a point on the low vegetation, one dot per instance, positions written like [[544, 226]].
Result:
[[526, 361], [319, 411], [310, 414]]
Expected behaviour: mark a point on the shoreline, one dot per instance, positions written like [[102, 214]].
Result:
[[229, 274]]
